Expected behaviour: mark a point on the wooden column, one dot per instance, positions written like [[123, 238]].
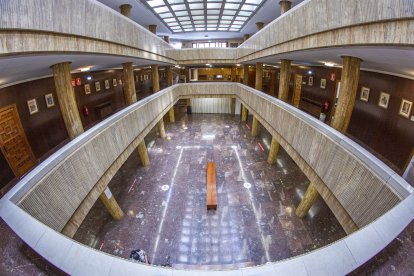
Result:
[[167, 39], [255, 127], [233, 105], [155, 79], [125, 9], [143, 154], [67, 101], [244, 113], [259, 26], [297, 90], [347, 93], [285, 6], [169, 73], [284, 80], [272, 83], [161, 128], [307, 201], [152, 29], [259, 76], [246, 37], [130, 93], [111, 205], [245, 74], [274, 149], [171, 115]]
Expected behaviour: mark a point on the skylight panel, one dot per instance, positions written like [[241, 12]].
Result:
[[222, 29], [196, 6], [225, 21], [211, 29], [245, 13], [200, 29], [155, 3], [161, 9], [197, 12], [212, 17], [256, 2], [213, 5], [169, 20], [248, 7], [178, 7], [198, 17], [213, 11], [175, 1], [235, 1], [229, 12], [199, 22], [227, 17], [165, 15], [183, 18], [230, 6], [181, 13], [241, 18]]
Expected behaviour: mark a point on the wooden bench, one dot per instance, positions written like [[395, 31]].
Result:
[[211, 190]]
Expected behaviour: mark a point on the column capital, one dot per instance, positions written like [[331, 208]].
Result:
[[125, 10], [259, 25], [152, 29]]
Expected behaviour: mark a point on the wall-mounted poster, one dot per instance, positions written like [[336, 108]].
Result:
[[97, 86], [87, 89], [323, 83], [78, 81], [106, 84], [32, 105], [49, 100], [384, 100], [405, 108], [364, 94], [114, 82], [310, 81]]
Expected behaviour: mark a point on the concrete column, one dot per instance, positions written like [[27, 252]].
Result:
[[272, 83], [130, 93], [259, 26], [285, 6], [259, 76], [161, 128], [307, 201], [347, 93], [255, 127], [167, 39], [155, 79], [233, 105], [143, 154], [152, 29], [111, 205], [67, 101], [274, 149], [125, 9], [245, 74], [169, 73], [246, 37], [284, 80], [171, 115], [244, 113]]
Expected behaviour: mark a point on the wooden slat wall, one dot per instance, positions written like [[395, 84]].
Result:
[[55, 197]]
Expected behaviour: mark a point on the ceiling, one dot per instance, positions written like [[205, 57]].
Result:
[[397, 61], [266, 11]]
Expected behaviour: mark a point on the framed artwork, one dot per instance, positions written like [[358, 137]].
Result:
[[384, 100], [310, 81], [364, 94], [32, 105], [141, 77], [87, 89], [97, 86], [114, 82], [323, 83], [106, 84], [405, 108], [49, 100], [120, 82]]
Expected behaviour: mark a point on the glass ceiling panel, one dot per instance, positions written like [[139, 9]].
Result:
[[204, 15]]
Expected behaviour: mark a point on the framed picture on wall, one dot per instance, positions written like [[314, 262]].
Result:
[[32, 105], [141, 77], [364, 94], [323, 83], [97, 86], [405, 108], [49, 100], [310, 81], [114, 82], [107, 84], [87, 89], [384, 100]]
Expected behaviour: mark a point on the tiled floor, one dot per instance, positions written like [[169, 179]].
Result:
[[254, 222]]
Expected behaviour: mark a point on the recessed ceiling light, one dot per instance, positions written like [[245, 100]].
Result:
[[85, 69], [329, 64]]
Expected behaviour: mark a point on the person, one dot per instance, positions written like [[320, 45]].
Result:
[[139, 255]]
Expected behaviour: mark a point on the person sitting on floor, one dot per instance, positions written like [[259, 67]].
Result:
[[139, 255]]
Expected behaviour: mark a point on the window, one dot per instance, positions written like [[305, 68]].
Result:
[[219, 44]]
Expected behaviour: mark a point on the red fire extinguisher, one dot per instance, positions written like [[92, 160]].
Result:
[[85, 111], [326, 105]]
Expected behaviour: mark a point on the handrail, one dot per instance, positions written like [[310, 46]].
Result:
[[340, 257]]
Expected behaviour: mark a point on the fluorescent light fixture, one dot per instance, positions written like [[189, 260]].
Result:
[[85, 69], [329, 64]]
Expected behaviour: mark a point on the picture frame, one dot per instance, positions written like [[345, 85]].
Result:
[[97, 86], [384, 100], [50, 102], [87, 89], [107, 84], [310, 81], [120, 82], [405, 108], [323, 83], [32, 105], [364, 94], [114, 83]]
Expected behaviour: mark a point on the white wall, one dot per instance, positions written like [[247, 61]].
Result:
[[211, 105]]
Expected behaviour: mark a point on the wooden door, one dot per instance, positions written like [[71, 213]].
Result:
[[13, 142]]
